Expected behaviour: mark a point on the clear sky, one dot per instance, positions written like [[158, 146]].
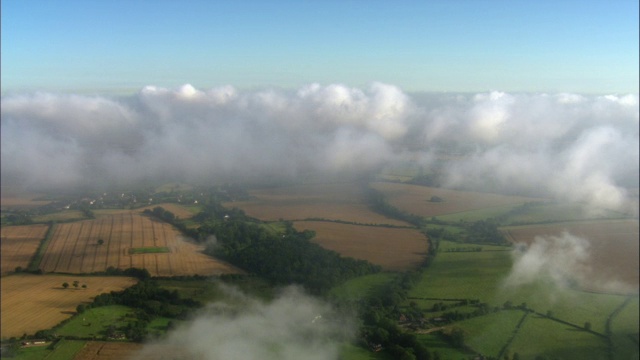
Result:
[[581, 46]]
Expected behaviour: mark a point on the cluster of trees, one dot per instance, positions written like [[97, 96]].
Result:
[[17, 218], [380, 313], [150, 298], [485, 232], [150, 301], [280, 258], [76, 283], [161, 213]]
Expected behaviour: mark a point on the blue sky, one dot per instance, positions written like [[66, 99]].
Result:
[[461, 46]]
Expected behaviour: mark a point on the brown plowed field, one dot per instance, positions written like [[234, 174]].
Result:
[[393, 249], [74, 248], [613, 245], [103, 350], [37, 302], [343, 201], [18, 244], [415, 199]]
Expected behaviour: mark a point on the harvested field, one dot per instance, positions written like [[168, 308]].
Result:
[[613, 245], [343, 201], [13, 197], [74, 248], [415, 199], [393, 249], [37, 302], [18, 244]]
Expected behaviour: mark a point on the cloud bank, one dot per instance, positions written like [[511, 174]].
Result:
[[579, 148], [291, 327]]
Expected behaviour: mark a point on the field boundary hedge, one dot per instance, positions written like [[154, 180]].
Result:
[[34, 264]]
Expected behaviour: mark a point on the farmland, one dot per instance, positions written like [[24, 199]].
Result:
[[416, 199], [103, 350], [480, 275], [342, 201], [18, 244], [74, 247], [612, 245], [14, 197], [537, 318], [393, 249], [31, 303]]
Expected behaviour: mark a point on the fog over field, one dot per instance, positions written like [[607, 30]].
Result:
[[292, 326], [567, 146]]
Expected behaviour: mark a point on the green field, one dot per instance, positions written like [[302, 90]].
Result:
[[624, 328], [96, 321], [360, 287], [64, 215], [464, 275], [539, 336], [489, 333], [436, 344], [64, 350], [149, 250], [159, 326], [33, 353], [476, 215]]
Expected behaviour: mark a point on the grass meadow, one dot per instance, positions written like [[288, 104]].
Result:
[[489, 333], [480, 275], [95, 322], [360, 287], [445, 351], [64, 350], [540, 336]]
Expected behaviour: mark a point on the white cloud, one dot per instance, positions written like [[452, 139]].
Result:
[[293, 326], [575, 147]]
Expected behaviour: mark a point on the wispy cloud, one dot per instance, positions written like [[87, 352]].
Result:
[[292, 326]]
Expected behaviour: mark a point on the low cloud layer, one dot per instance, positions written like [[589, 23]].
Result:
[[291, 327], [579, 148]]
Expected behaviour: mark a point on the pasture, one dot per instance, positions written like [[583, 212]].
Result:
[[391, 248], [96, 321], [35, 302], [18, 245], [613, 247], [416, 199], [480, 275], [341, 201], [539, 336], [64, 350], [74, 247], [360, 287]]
